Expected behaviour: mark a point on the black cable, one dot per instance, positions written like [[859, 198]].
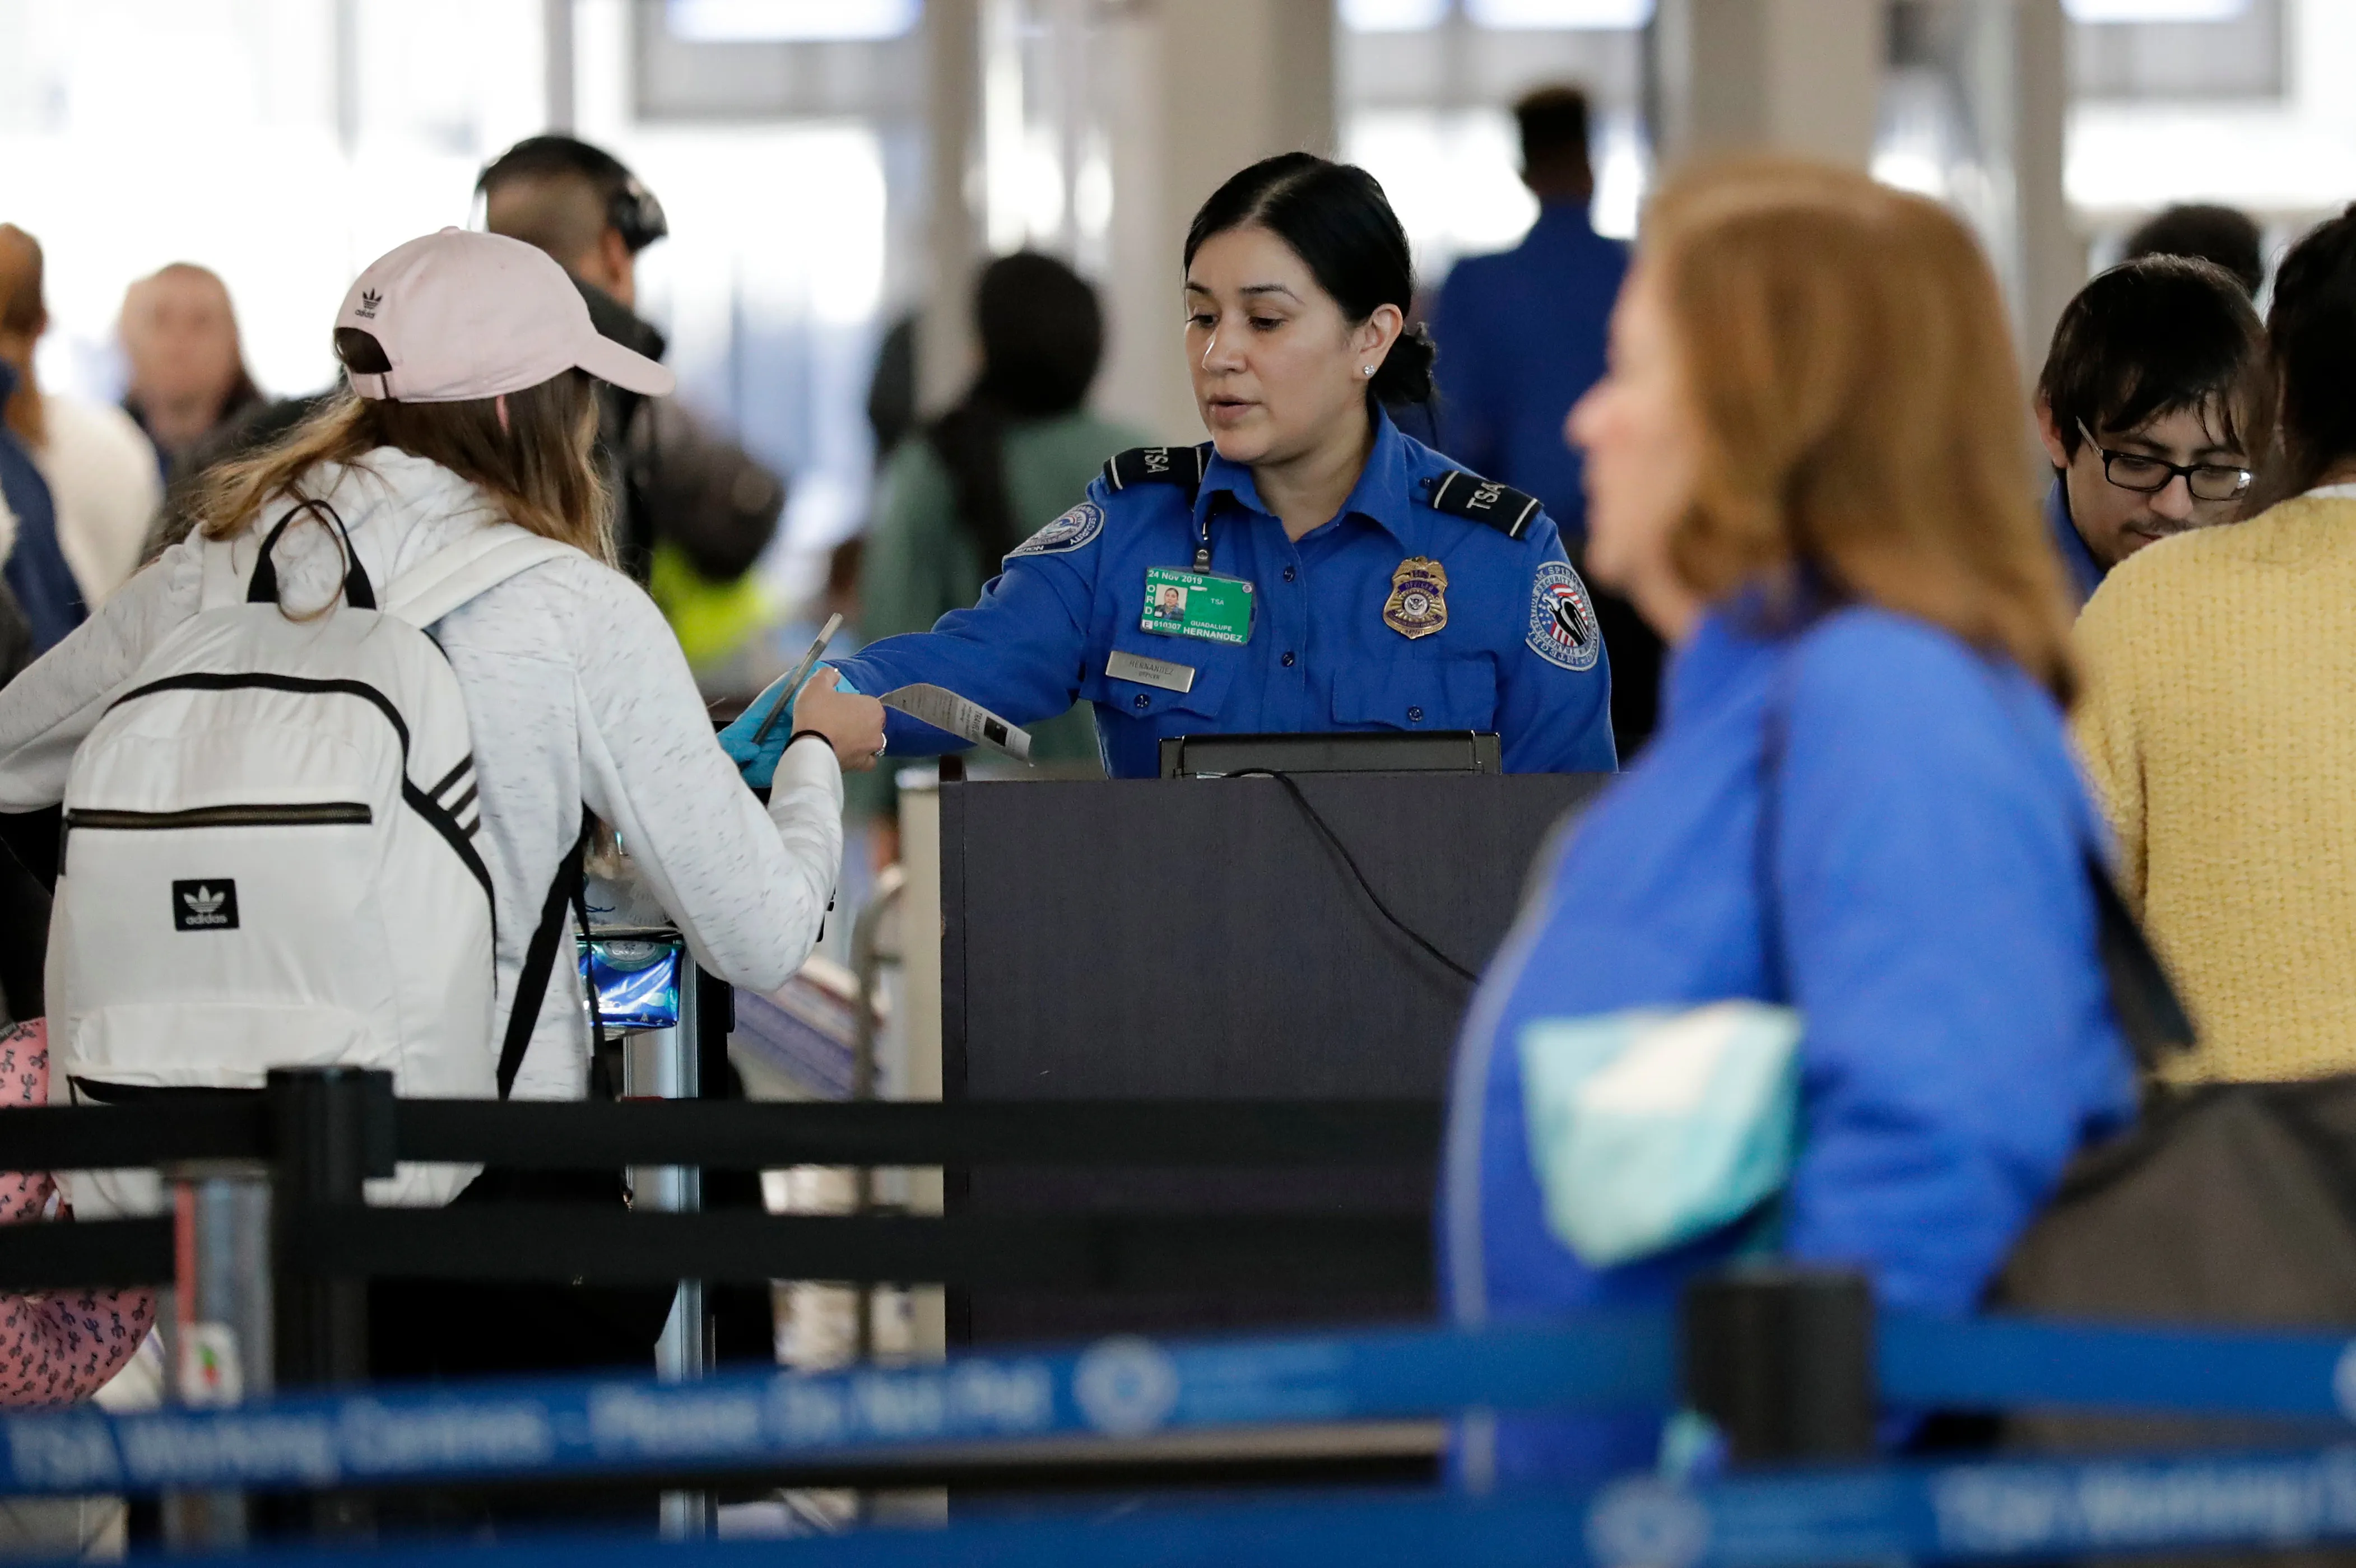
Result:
[[1325, 831]]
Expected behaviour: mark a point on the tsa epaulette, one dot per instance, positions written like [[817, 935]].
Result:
[[1181, 465], [1503, 507]]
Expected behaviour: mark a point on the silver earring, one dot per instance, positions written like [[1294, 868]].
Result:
[[1365, 369]]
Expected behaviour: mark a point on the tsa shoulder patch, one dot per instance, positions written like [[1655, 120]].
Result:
[[1068, 532], [1562, 623]]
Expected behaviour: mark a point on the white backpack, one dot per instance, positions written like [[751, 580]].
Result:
[[268, 856]]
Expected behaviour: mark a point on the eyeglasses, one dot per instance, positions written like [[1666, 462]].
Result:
[[2148, 475]]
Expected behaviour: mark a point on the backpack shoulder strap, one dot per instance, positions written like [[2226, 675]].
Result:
[[222, 583], [540, 959], [476, 564]]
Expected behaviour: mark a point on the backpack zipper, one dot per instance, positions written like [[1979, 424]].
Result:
[[314, 815]]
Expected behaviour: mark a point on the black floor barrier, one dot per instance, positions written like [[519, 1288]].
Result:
[[600, 1246], [321, 1132], [739, 1134]]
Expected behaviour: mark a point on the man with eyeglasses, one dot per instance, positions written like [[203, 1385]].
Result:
[[2146, 408]]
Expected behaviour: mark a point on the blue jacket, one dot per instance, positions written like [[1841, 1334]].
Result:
[[36, 571], [2084, 572], [1940, 941], [1397, 614], [1521, 338]]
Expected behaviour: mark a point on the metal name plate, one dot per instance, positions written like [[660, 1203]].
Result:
[[1167, 674]]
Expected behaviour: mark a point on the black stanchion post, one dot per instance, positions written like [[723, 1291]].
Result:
[[332, 1129], [1782, 1360]]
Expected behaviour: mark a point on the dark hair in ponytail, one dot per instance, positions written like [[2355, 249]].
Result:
[[2310, 342], [1042, 336], [1336, 217]]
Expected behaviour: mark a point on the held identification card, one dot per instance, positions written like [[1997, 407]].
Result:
[[1197, 605]]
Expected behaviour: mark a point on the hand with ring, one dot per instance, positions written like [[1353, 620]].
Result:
[[852, 724]]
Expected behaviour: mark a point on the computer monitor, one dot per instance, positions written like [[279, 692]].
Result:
[[1380, 751]]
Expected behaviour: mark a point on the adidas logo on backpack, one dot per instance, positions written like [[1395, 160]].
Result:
[[270, 856]]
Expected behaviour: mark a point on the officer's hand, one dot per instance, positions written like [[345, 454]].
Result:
[[852, 724]]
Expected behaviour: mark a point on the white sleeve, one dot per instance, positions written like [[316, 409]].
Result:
[[49, 709], [750, 888]]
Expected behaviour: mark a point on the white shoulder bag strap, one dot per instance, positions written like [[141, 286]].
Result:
[[224, 580], [476, 564]]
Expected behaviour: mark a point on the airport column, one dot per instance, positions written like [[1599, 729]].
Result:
[[956, 237], [1206, 87], [1793, 76], [2052, 256]]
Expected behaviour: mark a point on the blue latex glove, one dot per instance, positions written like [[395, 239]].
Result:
[[758, 764]]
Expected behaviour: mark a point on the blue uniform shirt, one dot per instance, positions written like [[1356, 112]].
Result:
[[1395, 615], [36, 571], [1939, 934], [1521, 338], [2085, 573]]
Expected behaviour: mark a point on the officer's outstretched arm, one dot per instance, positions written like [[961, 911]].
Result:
[[1018, 652], [1554, 713]]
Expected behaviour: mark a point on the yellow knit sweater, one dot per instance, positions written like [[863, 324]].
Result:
[[2220, 728]]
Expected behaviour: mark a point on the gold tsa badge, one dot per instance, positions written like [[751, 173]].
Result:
[[1418, 605]]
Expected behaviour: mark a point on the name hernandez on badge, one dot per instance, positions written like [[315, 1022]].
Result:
[[1070, 531], [1562, 623], [1419, 605], [1199, 604]]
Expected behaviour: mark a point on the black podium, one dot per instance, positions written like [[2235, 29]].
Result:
[[1207, 939]]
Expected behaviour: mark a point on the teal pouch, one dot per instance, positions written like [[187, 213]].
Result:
[[1650, 1128]]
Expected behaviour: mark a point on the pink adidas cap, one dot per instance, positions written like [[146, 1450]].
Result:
[[462, 316]]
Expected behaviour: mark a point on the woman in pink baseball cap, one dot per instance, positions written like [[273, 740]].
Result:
[[470, 404]]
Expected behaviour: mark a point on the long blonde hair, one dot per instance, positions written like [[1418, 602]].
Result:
[[1863, 420], [535, 465]]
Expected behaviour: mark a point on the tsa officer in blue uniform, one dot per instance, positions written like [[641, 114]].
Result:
[[1308, 569]]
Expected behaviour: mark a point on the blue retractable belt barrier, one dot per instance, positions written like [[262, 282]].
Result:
[[1954, 1513], [1119, 1387], [1998, 1363]]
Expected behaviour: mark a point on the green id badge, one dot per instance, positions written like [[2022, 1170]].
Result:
[[1196, 604]]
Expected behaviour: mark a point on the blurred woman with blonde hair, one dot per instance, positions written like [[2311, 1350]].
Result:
[[1858, 832], [101, 472]]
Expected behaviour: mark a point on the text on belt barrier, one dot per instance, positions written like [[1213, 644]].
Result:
[[1121, 1387], [1944, 1513]]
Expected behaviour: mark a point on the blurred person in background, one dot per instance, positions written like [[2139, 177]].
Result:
[[2153, 402], [2224, 236], [1803, 467], [2220, 721], [103, 484], [24, 901], [38, 578], [1017, 450], [695, 509], [1521, 337], [188, 362]]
